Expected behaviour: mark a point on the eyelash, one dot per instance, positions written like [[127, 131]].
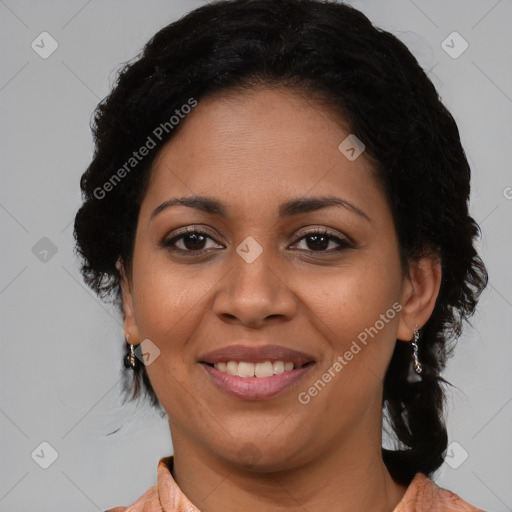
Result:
[[169, 243]]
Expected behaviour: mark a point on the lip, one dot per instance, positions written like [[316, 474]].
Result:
[[255, 354], [256, 388]]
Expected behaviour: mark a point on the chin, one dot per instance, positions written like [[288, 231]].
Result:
[[262, 456]]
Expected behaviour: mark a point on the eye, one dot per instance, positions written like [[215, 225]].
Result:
[[191, 240], [319, 240], [195, 241]]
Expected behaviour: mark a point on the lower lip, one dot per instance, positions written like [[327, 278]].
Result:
[[256, 388]]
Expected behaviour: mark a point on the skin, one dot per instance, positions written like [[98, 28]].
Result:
[[252, 151]]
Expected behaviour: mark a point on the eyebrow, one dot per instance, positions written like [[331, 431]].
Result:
[[287, 209]]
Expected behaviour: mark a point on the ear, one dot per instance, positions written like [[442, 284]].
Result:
[[131, 330], [419, 294]]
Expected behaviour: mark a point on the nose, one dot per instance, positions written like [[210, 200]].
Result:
[[254, 293]]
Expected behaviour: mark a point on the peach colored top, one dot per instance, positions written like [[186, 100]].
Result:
[[422, 495]]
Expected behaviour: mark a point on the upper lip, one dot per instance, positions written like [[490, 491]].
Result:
[[255, 354]]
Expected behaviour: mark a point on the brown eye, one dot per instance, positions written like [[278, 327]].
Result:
[[320, 241], [315, 242], [194, 241], [191, 241]]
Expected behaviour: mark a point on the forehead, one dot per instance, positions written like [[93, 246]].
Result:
[[256, 147]]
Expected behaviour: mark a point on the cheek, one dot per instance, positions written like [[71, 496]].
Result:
[[170, 320], [167, 294], [169, 310], [356, 309], [351, 298]]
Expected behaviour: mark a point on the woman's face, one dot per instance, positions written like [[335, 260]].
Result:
[[259, 289]]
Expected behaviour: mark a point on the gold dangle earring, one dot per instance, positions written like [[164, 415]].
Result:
[[414, 342], [129, 359]]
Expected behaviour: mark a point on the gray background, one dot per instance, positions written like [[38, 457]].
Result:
[[61, 347]]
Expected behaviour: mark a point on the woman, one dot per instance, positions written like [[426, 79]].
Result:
[[279, 201]]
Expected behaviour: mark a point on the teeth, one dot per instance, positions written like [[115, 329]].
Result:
[[246, 369], [231, 368], [278, 367], [263, 369]]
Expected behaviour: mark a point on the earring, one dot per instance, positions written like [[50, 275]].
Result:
[[414, 342], [129, 359]]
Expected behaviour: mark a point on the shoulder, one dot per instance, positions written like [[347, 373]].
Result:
[[148, 499], [424, 495], [158, 497]]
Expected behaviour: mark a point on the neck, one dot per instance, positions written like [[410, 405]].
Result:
[[348, 477]]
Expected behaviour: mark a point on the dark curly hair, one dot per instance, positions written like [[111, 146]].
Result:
[[332, 52]]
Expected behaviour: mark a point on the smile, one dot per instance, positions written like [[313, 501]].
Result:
[[258, 370], [255, 373]]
